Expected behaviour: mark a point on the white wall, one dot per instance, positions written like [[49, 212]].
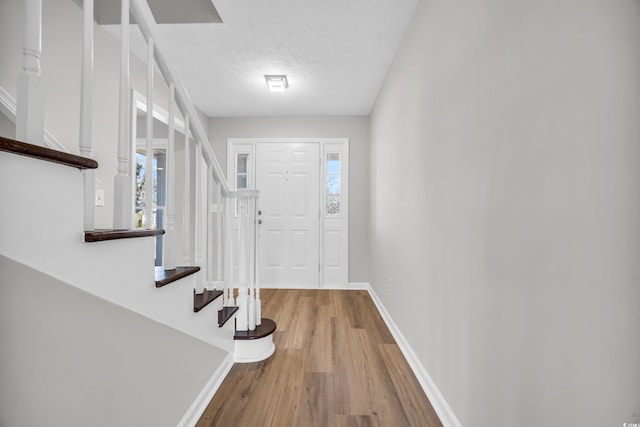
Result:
[[7, 127], [505, 207], [68, 358], [354, 128]]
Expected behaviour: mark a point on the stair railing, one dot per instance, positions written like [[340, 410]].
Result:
[[209, 180], [211, 242]]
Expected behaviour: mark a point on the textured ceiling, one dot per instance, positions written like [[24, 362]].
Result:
[[335, 54]]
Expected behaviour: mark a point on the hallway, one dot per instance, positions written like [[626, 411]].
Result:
[[336, 364]]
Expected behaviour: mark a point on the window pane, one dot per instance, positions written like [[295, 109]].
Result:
[[242, 181], [242, 163], [333, 206], [333, 190]]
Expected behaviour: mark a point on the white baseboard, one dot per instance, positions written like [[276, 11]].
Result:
[[364, 286], [348, 286], [197, 408], [446, 415]]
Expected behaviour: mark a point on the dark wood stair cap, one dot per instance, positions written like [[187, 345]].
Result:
[[267, 327], [46, 154], [200, 301], [164, 277], [225, 314], [103, 235]]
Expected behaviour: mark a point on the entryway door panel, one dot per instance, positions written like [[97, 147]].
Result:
[[287, 175]]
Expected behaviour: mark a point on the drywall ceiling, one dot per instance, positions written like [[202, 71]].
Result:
[[335, 54]]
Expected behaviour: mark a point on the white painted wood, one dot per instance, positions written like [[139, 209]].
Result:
[[148, 169], [198, 217], [210, 228], [86, 114], [186, 199], [219, 233], [243, 264], [242, 315], [148, 27], [130, 285], [334, 238], [246, 236], [123, 187], [249, 351], [30, 105], [333, 232], [229, 300], [197, 408], [287, 175], [440, 405], [169, 240]]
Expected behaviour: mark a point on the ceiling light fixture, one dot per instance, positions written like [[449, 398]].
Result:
[[276, 83]]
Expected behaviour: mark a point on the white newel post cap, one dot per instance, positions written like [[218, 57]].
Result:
[[247, 193]]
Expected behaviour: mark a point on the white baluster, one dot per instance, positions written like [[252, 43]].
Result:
[[122, 203], [256, 284], [186, 201], [219, 234], [242, 318], [86, 114], [250, 239], [199, 230], [209, 225], [242, 241], [30, 96], [242, 323], [148, 185], [228, 251], [169, 236]]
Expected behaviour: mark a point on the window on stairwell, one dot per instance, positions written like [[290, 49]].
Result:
[[333, 184]]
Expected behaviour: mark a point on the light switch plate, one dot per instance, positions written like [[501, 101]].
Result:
[[99, 197]]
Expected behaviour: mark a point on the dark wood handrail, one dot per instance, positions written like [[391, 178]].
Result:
[[47, 154]]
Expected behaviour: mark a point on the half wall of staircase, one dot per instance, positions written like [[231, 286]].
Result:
[[69, 358]]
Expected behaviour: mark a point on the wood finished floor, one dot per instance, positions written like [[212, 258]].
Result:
[[336, 364]]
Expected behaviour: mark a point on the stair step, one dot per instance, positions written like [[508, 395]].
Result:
[[164, 277], [102, 235], [267, 327], [46, 154], [200, 301], [225, 314]]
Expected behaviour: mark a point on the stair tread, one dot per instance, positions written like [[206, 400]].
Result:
[[225, 314], [46, 154], [107, 234], [200, 301], [164, 277], [267, 328]]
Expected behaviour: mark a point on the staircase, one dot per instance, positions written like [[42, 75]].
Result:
[[48, 215]]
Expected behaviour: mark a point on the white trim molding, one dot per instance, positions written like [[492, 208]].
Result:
[[198, 407], [440, 405]]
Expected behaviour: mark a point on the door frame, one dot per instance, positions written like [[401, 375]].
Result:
[[330, 276]]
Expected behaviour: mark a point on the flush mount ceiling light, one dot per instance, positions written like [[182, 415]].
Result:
[[276, 83]]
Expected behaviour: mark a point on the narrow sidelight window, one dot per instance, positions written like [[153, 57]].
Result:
[[333, 190]]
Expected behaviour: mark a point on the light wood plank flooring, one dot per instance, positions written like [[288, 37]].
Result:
[[336, 364]]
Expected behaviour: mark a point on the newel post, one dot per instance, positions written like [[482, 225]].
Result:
[[246, 317], [30, 102]]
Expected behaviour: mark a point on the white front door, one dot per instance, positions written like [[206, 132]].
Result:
[[287, 175]]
